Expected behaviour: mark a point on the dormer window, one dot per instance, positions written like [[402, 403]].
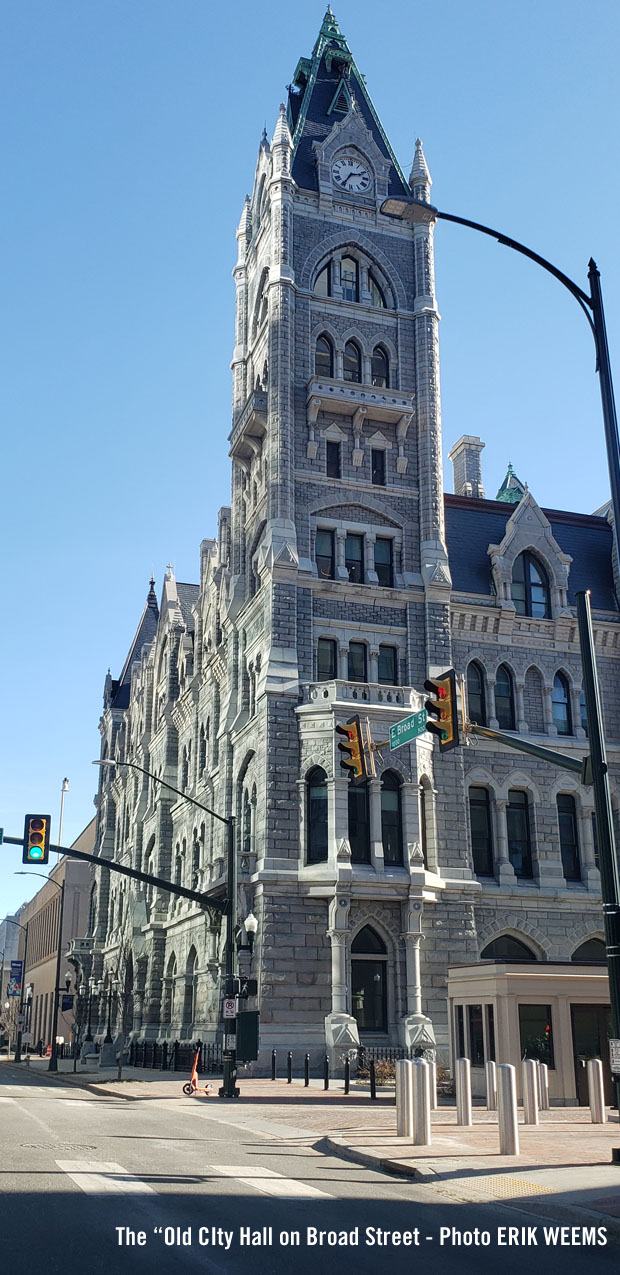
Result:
[[530, 587]]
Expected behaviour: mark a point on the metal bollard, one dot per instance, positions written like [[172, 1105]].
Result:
[[347, 1075], [433, 1070], [507, 1109], [326, 1072], [463, 1091], [404, 1098], [421, 1082], [543, 1086], [289, 1068], [274, 1054], [373, 1079], [529, 1072], [596, 1092], [491, 1076], [307, 1070]]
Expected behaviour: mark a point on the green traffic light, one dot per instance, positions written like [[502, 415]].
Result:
[[35, 853]]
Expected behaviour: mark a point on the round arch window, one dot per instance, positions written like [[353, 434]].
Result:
[[369, 981]]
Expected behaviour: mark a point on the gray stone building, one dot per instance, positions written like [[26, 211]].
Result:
[[341, 578]]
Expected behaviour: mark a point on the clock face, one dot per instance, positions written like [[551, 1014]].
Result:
[[351, 174]]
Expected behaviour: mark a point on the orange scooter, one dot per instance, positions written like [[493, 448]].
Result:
[[192, 1085]]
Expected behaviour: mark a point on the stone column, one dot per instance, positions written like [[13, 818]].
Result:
[[366, 369], [522, 725], [550, 727], [505, 872], [341, 572], [589, 870], [493, 722], [418, 1029], [341, 1034], [371, 576], [575, 704], [373, 671], [343, 662]]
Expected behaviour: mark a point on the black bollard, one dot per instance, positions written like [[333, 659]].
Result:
[[307, 1070], [289, 1068], [273, 1063], [373, 1079], [347, 1075], [326, 1073]]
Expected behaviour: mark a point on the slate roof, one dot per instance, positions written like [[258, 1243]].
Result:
[[311, 104], [188, 596], [145, 633], [472, 525]]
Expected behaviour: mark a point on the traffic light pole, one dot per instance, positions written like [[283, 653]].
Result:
[[608, 859]]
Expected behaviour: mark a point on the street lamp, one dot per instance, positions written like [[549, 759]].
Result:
[[250, 925], [229, 1086], [60, 885], [422, 213]]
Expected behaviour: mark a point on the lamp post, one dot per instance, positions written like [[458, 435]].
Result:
[[420, 212], [91, 987], [60, 885], [229, 1086], [18, 1042]]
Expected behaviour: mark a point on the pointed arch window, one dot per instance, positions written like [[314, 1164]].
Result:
[[352, 363], [324, 357], [322, 286], [202, 750], [391, 818], [377, 294], [189, 998], [582, 710], [592, 951], [369, 981], [476, 706], [506, 948], [530, 587], [569, 840], [380, 368], [316, 807], [560, 701], [518, 830], [481, 836], [504, 698], [349, 279]]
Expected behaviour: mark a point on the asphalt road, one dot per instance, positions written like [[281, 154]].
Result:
[[117, 1185]]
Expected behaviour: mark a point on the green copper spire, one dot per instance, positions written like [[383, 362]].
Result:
[[330, 33], [512, 489]]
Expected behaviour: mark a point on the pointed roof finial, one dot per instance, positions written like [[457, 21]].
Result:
[[282, 135], [419, 170], [151, 600], [264, 141]]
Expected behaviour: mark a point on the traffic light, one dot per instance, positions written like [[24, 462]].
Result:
[[354, 760], [36, 839], [445, 707]]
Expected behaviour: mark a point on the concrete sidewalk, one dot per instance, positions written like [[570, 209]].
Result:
[[563, 1172]]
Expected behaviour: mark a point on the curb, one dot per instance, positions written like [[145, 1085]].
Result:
[[424, 1175]]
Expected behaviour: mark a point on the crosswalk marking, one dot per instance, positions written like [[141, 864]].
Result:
[[96, 1177], [269, 1181], [7, 1100]]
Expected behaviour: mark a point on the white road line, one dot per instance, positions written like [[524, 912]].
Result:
[[97, 1177], [270, 1182], [7, 1100]]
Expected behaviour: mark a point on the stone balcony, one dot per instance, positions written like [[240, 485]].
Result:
[[397, 699]]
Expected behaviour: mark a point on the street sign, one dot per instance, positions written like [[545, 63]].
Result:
[[614, 1056], [406, 730], [230, 1009], [66, 1002], [230, 1042]]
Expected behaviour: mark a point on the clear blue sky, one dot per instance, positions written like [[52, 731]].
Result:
[[131, 130]]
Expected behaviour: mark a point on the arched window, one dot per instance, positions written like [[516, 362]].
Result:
[[504, 698], [170, 989], [359, 823], [518, 830], [189, 998], [593, 950], [377, 295], [475, 694], [569, 841], [316, 813], [530, 587], [184, 770], [349, 279], [380, 368], [481, 835], [369, 981], [391, 818], [322, 285], [202, 750], [352, 363], [324, 357], [560, 701], [506, 948]]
